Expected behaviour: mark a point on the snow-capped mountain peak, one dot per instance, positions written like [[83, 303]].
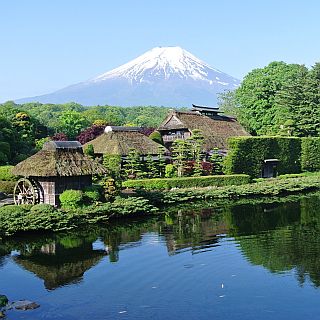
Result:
[[161, 62], [168, 76]]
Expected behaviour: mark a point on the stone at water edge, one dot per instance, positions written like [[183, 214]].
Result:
[[24, 305], [2, 315], [3, 300]]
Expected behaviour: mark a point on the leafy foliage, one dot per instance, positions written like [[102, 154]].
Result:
[[92, 194], [71, 199], [90, 133], [156, 137], [6, 175], [60, 136], [278, 99]]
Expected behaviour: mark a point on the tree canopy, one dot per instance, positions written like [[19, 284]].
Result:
[[280, 99]]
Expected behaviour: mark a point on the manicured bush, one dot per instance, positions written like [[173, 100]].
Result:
[[6, 175], [246, 154], [187, 182], [170, 171], [71, 198], [89, 151], [7, 186], [156, 137], [310, 151], [92, 194]]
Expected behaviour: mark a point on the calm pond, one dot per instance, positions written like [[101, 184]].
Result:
[[249, 261]]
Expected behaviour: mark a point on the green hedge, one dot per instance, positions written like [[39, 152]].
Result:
[[310, 154], [187, 182], [246, 154]]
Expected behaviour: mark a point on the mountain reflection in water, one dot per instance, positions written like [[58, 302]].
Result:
[[277, 236]]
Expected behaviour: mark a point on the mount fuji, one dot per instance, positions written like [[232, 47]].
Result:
[[167, 76]]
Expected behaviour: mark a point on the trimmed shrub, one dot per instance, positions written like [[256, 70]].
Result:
[[187, 182], [6, 175], [310, 151], [170, 171], [246, 154], [89, 151], [71, 198], [156, 137], [7, 186], [92, 194]]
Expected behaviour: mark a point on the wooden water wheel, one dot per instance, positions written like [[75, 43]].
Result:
[[27, 191]]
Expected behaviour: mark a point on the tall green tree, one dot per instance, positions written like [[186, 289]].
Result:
[[72, 122], [258, 110]]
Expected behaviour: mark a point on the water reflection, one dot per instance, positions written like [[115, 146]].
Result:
[[277, 236], [284, 238]]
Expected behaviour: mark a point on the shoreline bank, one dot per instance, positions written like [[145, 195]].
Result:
[[42, 217]]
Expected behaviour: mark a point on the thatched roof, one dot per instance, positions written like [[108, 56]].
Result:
[[121, 140], [216, 130], [63, 158]]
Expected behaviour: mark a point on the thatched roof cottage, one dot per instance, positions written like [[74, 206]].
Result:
[[215, 126], [59, 166], [121, 140]]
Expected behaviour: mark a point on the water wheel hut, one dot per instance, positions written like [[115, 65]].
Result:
[[59, 166], [117, 140]]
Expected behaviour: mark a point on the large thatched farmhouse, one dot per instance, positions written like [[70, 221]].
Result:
[[215, 127], [59, 166], [121, 140]]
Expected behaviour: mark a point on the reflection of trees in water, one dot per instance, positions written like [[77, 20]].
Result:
[[277, 236], [196, 231], [283, 238], [63, 258]]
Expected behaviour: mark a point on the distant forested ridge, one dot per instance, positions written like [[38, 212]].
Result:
[[25, 127]]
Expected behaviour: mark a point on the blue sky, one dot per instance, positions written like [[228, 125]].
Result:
[[46, 45]]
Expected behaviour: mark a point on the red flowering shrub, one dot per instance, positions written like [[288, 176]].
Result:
[[60, 136], [90, 133]]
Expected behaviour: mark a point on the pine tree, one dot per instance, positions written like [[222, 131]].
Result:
[[133, 165], [196, 148], [180, 155], [217, 161], [152, 171], [161, 163]]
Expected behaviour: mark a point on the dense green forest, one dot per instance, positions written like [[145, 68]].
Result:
[[279, 99], [24, 128]]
